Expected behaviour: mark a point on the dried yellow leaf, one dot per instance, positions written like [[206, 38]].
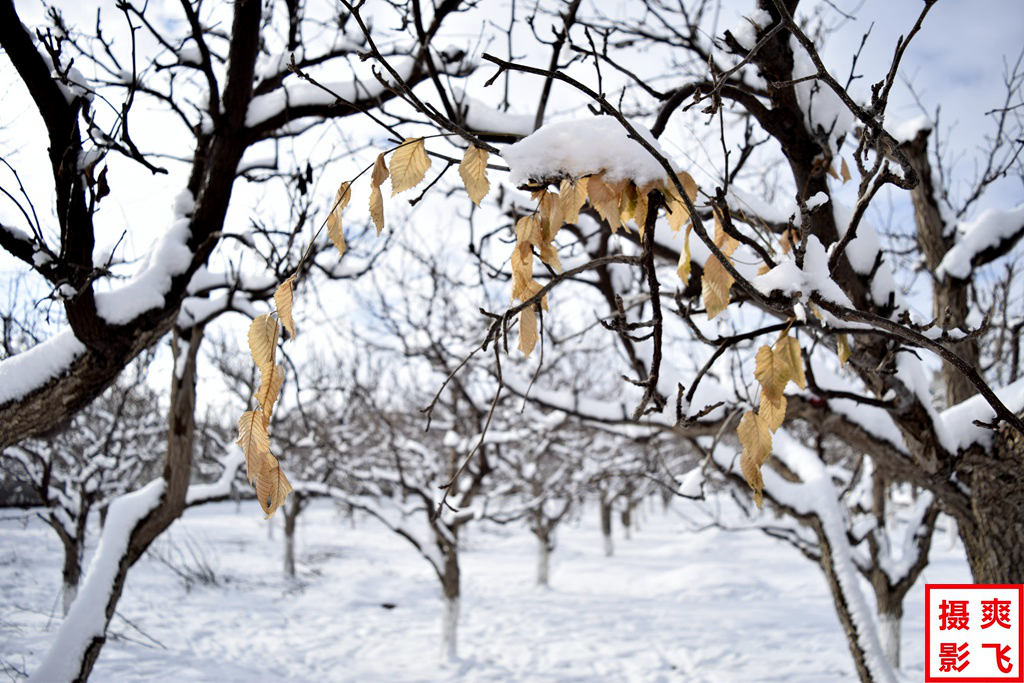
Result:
[[627, 202], [254, 440], [772, 411], [715, 286], [789, 349], [843, 349], [572, 196], [772, 370], [409, 164], [844, 171], [527, 330], [283, 304], [549, 255], [271, 379], [640, 211], [723, 240], [377, 208], [756, 439], [341, 197], [272, 487], [604, 197], [689, 185], [683, 269], [473, 171], [379, 175], [380, 171], [263, 339], [334, 231]]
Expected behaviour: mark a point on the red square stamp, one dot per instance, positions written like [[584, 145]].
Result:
[[972, 632]]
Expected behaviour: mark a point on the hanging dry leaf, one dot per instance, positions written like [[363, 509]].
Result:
[[844, 171], [572, 196], [789, 349], [772, 411], [379, 175], [254, 440], [683, 269], [272, 487], [271, 379], [627, 202], [283, 304], [334, 231], [263, 339], [527, 330], [640, 211], [843, 348], [604, 197], [756, 439], [723, 240], [409, 164], [549, 255], [528, 230], [473, 171], [772, 370], [715, 286]]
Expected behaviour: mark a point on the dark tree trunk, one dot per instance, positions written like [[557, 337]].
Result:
[[992, 529], [606, 527], [291, 514], [451, 589], [71, 573]]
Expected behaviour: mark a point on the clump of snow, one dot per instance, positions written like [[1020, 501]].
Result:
[[959, 419], [303, 94], [862, 253], [482, 117], [582, 147], [22, 373], [817, 200], [746, 29], [814, 277], [987, 230], [905, 131]]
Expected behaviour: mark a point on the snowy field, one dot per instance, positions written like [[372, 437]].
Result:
[[671, 605]]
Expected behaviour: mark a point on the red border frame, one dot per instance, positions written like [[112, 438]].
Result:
[[1020, 631]]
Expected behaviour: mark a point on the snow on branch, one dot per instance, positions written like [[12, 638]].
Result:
[[982, 240]]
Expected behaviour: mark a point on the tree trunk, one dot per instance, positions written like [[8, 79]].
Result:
[[291, 514], [543, 557], [627, 521], [71, 573], [889, 620], [993, 529], [606, 528], [450, 587], [83, 648], [842, 579]]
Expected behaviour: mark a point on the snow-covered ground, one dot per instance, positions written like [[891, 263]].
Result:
[[671, 605]]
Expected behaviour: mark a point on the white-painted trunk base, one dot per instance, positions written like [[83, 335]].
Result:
[[449, 629], [889, 634], [609, 547], [543, 562]]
